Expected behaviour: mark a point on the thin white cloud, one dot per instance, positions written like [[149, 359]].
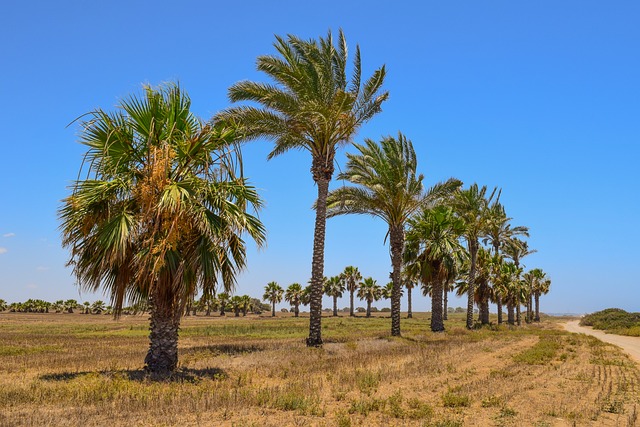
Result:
[[42, 268], [3, 250], [32, 286], [9, 235]]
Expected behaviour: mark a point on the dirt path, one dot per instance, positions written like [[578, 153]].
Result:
[[631, 345]]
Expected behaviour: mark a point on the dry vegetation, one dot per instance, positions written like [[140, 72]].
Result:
[[74, 369]]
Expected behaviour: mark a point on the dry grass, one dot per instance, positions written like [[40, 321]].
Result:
[[74, 369]]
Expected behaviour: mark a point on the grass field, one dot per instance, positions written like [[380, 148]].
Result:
[[74, 369]]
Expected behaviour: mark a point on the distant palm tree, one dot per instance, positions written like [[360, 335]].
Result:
[[499, 230], [369, 291], [516, 249], [163, 211], [273, 293], [70, 305], [352, 278], [312, 106], [236, 304], [334, 287], [293, 296], [207, 302], [3, 305], [472, 206], [98, 307], [223, 302], [305, 297], [387, 187], [87, 307], [542, 288], [245, 304]]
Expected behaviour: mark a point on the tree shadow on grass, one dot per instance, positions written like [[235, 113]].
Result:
[[181, 375]]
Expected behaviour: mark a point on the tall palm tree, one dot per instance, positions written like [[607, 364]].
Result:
[[433, 244], [352, 278], [273, 293], [293, 296], [369, 291], [472, 206], [409, 284], [387, 186], [516, 249], [334, 287], [542, 288], [162, 212], [312, 105]]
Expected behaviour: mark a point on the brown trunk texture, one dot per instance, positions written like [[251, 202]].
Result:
[[335, 306], [445, 303], [473, 250], [409, 308], [368, 308], [510, 317], [499, 304], [317, 264], [396, 239], [437, 324], [162, 357], [351, 313], [537, 319]]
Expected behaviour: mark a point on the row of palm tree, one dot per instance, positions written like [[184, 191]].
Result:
[[164, 209]]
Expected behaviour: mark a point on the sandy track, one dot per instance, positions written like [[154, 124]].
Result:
[[631, 345]]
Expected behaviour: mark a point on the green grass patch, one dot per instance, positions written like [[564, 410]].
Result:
[[543, 352]]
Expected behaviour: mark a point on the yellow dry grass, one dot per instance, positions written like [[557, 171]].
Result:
[[75, 369]]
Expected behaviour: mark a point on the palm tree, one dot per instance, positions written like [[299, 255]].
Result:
[[70, 305], [472, 206], [236, 303], [369, 291], [434, 251], [3, 305], [516, 249], [223, 302], [207, 302], [409, 284], [162, 212], [387, 187], [305, 297], [273, 293], [312, 106], [98, 307], [542, 288], [246, 304], [334, 287], [293, 296], [352, 278], [87, 307]]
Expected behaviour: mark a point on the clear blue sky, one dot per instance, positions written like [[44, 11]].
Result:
[[540, 98]]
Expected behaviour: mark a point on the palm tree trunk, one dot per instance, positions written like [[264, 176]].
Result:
[[409, 309], [437, 324], [473, 251], [445, 302], [537, 296], [484, 305], [396, 239], [499, 304], [273, 308], [321, 176], [351, 313], [518, 313], [530, 307], [368, 308], [510, 317], [296, 310], [335, 306], [162, 357]]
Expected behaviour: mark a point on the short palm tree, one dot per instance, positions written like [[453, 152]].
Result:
[[369, 291], [273, 293], [236, 304], [498, 231], [162, 212], [207, 302], [3, 305], [98, 307], [334, 287], [472, 206], [312, 106], [246, 304], [433, 253], [223, 300], [352, 278], [387, 186], [293, 296], [516, 249]]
